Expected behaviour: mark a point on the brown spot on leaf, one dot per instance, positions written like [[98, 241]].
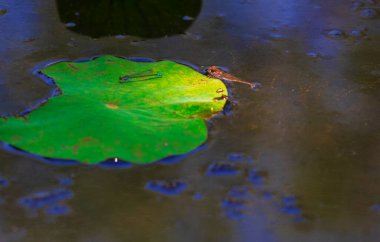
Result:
[[50, 150], [112, 105], [87, 140], [16, 138], [73, 67], [101, 73]]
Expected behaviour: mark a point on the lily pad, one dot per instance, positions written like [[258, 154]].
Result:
[[97, 117]]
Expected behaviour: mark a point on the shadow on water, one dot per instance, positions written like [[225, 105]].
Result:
[[108, 164], [146, 18]]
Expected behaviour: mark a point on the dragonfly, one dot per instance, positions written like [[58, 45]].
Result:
[[140, 76], [217, 73]]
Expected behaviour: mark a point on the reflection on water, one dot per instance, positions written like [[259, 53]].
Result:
[[298, 160], [52, 202], [143, 18], [168, 188]]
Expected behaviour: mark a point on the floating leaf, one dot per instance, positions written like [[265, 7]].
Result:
[[97, 117]]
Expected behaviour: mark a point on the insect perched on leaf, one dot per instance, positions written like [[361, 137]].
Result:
[[141, 76], [215, 72]]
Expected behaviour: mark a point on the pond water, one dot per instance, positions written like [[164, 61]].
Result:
[[296, 160]]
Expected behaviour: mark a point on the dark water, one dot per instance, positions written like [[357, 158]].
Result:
[[297, 160], [145, 18]]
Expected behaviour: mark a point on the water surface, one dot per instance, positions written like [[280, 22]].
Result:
[[305, 146]]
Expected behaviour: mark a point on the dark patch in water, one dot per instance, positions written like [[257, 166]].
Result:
[[291, 210], [369, 13], [238, 192], [168, 188], [235, 157], [144, 18], [256, 177], [198, 196], [233, 202], [44, 199], [65, 181], [335, 34], [290, 206], [3, 182], [234, 214], [358, 33], [222, 169], [57, 210]]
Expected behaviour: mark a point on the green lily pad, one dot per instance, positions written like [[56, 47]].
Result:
[[96, 117]]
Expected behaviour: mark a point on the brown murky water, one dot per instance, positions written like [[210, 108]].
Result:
[[309, 138]]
